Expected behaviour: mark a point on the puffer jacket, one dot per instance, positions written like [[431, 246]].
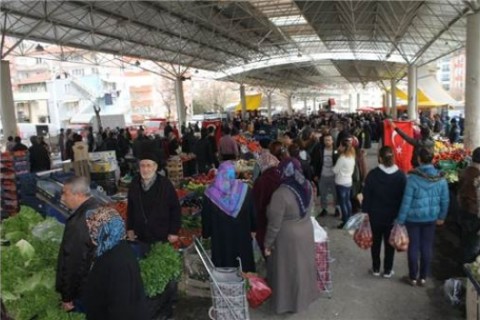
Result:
[[426, 196]]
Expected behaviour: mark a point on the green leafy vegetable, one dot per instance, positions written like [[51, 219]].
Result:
[[28, 267], [162, 265]]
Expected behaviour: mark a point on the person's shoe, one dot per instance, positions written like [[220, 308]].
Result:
[[422, 282], [388, 275], [337, 213], [323, 213], [375, 273], [411, 282], [341, 225]]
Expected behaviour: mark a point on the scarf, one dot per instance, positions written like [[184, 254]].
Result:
[[146, 185], [267, 161], [227, 192], [106, 229], [293, 179]]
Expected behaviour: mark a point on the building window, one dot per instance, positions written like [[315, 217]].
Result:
[[446, 67], [67, 88], [38, 60], [78, 72]]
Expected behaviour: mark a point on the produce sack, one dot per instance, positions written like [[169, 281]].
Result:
[[363, 235], [399, 238], [258, 290], [355, 221]]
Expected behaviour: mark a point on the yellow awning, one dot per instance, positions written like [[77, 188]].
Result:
[[422, 100], [253, 102]]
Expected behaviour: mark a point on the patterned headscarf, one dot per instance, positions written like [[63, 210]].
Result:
[[227, 192], [106, 228], [267, 161], [292, 177]]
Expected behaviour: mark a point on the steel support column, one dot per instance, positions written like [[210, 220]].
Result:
[[289, 104], [393, 89], [359, 97], [388, 104], [472, 90], [269, 106], [7, 107], [180, 101], [412, 92], [243, 102]]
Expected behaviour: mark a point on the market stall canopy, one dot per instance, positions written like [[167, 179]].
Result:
[[423, 100], [355, 41], [253, 102]]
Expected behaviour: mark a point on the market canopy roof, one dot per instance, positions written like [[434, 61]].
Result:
[[253, 102], [280, 43]]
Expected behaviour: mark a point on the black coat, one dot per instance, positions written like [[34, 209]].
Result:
[[153, 214], [114, 289], [317, 159], [382, 196], [231, 237], [39, 158], [76, 254], [204, 153]]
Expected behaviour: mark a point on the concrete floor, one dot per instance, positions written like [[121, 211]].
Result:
[[356, 295]]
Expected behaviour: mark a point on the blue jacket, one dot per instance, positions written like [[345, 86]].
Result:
[[426, 196]]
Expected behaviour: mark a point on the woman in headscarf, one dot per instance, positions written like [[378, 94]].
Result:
[[263, 189], [228, 218], [114, 288], [289, 243]]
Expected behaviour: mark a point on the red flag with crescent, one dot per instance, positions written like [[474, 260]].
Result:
[[403, 151]]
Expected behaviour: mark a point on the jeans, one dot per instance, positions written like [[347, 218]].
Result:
[[382, 232], [343, 200], [326, 186], [421, 236]]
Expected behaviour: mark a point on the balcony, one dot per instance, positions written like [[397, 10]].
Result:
[[30, 96]]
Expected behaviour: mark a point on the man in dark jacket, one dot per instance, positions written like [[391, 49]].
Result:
[[19, 146], [76, 250], [204, 152], [425, 142], [39, 158], [154, 209]]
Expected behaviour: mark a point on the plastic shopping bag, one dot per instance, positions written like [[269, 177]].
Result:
[[363, 235], [399, 238], [319, 234], [258, 290], [355, 221]]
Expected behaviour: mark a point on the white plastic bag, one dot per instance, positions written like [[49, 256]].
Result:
[[319, 234], [355, 221]]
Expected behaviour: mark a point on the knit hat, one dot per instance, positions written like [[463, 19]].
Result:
[[149, 156]]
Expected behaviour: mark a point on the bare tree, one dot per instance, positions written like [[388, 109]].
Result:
[[211, 95]]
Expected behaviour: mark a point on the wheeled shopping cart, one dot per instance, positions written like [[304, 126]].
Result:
[[227, 287]]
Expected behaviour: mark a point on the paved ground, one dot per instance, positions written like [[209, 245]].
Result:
[[359, 296]]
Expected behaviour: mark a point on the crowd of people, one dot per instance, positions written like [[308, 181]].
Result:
[[302, 158]]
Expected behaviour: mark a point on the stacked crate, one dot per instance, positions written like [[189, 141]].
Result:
[[175, 170], [12, 165]]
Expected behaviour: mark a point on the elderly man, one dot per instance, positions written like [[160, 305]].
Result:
[[153, 206], [76, 250]]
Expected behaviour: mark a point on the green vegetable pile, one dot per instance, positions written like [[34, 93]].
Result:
[[191, 222], [161, 265], [28, 267]]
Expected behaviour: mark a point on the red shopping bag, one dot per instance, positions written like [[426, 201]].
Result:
[[363, 235], [399, 238], [258, 290]]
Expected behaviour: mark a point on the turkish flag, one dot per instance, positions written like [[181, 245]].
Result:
[[402, 150]]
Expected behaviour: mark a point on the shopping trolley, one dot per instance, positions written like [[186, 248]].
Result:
[[227, 288]]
